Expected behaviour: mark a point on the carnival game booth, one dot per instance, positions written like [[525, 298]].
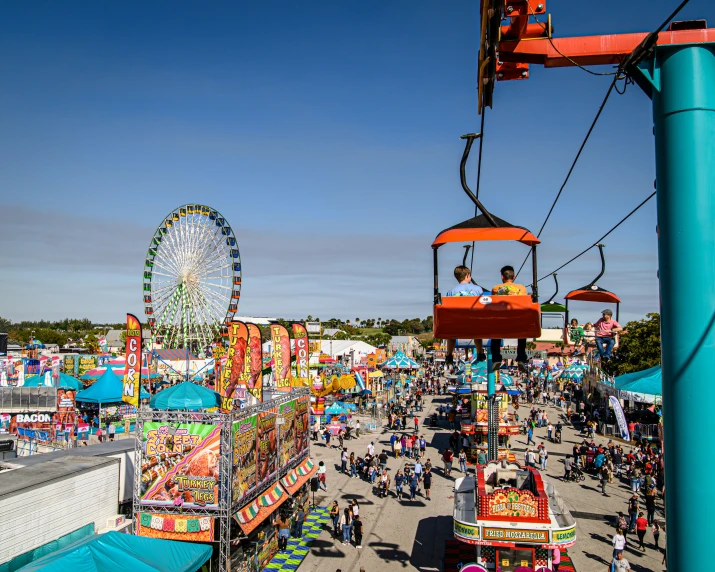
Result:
[[512, 517], [105, 395], [218, 478]]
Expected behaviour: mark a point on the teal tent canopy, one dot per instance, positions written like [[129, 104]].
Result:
[[185, 395], [648, 381], [117, 551], [400, 361], [107, 389], [65, 382]]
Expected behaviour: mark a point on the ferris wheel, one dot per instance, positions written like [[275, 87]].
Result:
[[192, 278]]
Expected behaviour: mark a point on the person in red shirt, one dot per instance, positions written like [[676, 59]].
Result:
[[641, 527]]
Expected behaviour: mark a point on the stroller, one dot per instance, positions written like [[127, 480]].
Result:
[[575, 475], [382, 488]]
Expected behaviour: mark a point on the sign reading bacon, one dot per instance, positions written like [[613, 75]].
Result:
[[132, 369]]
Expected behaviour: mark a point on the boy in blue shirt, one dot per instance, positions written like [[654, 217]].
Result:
[[464, 288]]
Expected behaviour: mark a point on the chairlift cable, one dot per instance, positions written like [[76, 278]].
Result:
[[479, 177]]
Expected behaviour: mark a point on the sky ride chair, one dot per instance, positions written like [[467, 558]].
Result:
[[552, 308], [593, 293], [486, 316]]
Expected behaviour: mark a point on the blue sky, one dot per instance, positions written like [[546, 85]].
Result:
[[326, 132]]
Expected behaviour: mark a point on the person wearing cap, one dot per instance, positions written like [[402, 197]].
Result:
[[605, 328]]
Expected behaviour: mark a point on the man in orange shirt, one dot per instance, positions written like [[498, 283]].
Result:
[[509, 288]]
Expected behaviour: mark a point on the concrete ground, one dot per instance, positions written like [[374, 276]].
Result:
[[411, 535]]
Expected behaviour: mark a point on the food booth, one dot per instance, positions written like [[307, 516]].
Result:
[[512, 518]]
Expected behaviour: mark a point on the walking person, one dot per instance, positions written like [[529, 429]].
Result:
[[447, 458], [327, 436], [555, 559], [357, 530], [656, 534], [111, 430], [344, 461], [283, 526], [298, 521], [632, 512], [530, 436], [543, 456], [353, 466], [619, 543], [335, 517], [641, 527], [413, 486], [604, 476], [463, 461], [321, 476], [427, 482], [399, 483], [650, 504], [345, 521]]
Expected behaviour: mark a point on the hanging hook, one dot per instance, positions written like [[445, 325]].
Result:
[[552, 299], [470, 137], [603, 266]]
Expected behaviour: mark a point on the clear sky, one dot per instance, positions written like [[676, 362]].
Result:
[[328, 135]]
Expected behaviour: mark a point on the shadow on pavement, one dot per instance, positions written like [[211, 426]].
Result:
[[390, 552], [326, 549], [430, 539]]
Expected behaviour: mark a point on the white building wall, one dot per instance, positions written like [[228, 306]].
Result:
[[35, 517]]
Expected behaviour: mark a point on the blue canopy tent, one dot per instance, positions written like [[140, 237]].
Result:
[[107, 389], [641, 385], [400, 361], [117, 551], [185, 396], [65, 382]]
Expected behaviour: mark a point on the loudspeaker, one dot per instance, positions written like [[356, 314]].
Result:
[[314, 484], [3, 343]]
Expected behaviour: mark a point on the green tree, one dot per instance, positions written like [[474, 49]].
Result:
[[639, 349], [378, 339]]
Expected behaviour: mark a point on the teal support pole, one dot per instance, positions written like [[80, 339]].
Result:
[[492, 411], [681, 82], [491, 376]]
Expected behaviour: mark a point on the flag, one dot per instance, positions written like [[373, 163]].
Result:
[[302, 356], [280, 351], [620, 417], [232, 372], [254, 362], [132, 369]]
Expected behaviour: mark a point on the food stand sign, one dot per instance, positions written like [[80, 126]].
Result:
[[565, 536], [287, 429], [513, 503], [524, 536], [132, 368], [466, 532], [267, 446], [301, 424], [175, 527], [180, 465], [244, 457], [302, 355]]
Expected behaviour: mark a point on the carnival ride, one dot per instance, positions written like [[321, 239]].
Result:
[[192, 278]]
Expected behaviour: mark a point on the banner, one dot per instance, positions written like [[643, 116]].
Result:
[[175, 527], [254, 362], [85, 363], [301, 424], [620, 417], [133, 367], [244, 457], [302, 356], [267, 446], [232, 372], [280, 352], [287, 412], [180, 464]]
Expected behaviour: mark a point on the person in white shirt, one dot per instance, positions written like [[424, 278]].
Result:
[[543, 456], [371, 449], [620, 564], [619, 544]]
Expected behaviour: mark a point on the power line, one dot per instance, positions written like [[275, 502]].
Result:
[[624, 219]]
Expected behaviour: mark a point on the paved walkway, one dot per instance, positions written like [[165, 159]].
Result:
[[298, 547], [411, 535]]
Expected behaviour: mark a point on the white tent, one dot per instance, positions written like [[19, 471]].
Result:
[[336, 348]]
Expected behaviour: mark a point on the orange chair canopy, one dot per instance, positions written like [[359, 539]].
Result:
[[500, 317], [478, 228], [593, 294]]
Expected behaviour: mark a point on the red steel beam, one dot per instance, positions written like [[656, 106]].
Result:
[[592, 50]]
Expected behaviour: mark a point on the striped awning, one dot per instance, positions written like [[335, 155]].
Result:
[[289, 480], [258, 510], [299, 476], [305, 468]]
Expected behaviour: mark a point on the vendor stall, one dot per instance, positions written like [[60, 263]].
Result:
[[512, 517], [477, 428]]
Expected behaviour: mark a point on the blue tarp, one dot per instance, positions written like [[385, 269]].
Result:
[[107, 389], [117, 551], [648, 381], [185, 395]]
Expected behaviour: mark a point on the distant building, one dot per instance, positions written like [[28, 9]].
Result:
[[331, 332], [409, 345]]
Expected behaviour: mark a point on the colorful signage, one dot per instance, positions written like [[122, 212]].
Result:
[[85, 363], [302, 421], [244, 457], [232, 372], [133, 367], [68, 365], [287, 412], [302, 356], [512, 503], [280, 352], [466, 532], [181, 464], [566, 536], [267, 446], [175, 527], [525, 536], [254, 360]]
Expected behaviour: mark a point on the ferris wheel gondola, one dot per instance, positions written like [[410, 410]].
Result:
[[192, 278]]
